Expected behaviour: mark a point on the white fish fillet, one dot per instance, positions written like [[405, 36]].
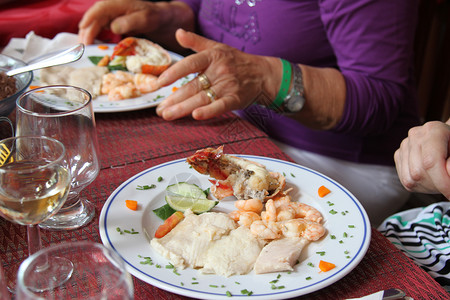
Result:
[[187, 244], [88, 78], [280, 255], [234, 254]]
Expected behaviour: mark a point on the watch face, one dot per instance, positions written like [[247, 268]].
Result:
[[295, 103]]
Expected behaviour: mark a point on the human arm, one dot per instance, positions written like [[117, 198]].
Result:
[[240, 79], [423, 159], [155, 20], [372, 72]]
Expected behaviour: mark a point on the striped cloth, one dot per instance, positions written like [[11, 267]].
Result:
[[423, 235]]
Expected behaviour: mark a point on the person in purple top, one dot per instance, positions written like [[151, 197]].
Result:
[[331, 81]]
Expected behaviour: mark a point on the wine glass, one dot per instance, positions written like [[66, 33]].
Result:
[[34, 184], [66, 114], [98, 273]]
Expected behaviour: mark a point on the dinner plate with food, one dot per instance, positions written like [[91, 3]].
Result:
[[120, 77], [216, 225]]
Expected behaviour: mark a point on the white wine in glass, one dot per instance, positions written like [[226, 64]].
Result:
[[66, 114], [30, 197], [34, 184]]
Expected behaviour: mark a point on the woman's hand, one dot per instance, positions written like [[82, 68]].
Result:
[[121, 16], [157, 21], [236, 79], [423, 162]]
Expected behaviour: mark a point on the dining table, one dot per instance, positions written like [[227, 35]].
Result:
[[133, 141]]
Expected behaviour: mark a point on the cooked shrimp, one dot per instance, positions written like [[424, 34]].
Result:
[[302, 228], [122, 92], [146, 83], [112, 80], [285, 212], [254, 205], [306, 211], [266, 231], [270, 214], [281, 199], [244, 218], [235, 215]]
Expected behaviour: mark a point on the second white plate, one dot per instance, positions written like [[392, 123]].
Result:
[[101, 104]]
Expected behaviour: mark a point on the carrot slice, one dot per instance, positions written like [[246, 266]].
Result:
[[169, 224], [131, 204], [323, 191], [104, 61], [325, 266], [103, 47], [174, 89], [153, 69]]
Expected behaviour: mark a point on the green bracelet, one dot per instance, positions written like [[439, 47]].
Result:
[[285, 84]]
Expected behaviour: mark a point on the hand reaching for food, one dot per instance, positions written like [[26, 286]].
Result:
[[156, 21], [235, 78]]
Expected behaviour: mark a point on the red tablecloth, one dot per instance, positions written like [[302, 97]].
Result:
[[134, 141]]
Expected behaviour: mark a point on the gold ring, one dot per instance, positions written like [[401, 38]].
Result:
[[204, 81], [211, 95]]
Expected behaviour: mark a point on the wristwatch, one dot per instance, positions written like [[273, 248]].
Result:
[[295, 100]]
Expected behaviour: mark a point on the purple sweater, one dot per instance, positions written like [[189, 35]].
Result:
[[369, 41]]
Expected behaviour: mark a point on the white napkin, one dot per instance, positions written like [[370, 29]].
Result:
[[33, 45], [375, 296]]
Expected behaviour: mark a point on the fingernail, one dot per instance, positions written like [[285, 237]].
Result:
[[168, 114], [161, 79], [160, 109], [116, 27]]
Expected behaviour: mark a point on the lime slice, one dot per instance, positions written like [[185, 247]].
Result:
[[182, 203], [186, 189], [182, 196]]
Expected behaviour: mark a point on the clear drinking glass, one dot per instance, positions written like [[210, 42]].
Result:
[[66, 114], [98, 273], [34, 184]]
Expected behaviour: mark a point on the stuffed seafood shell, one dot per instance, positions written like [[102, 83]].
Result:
[[142, 56], [235, 176]]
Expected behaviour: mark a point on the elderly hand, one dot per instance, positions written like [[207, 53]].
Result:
[[232, 79], [423, 162], [121, 16]]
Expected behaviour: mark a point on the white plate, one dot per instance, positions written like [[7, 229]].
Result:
[[345, 244], [101, 104]]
